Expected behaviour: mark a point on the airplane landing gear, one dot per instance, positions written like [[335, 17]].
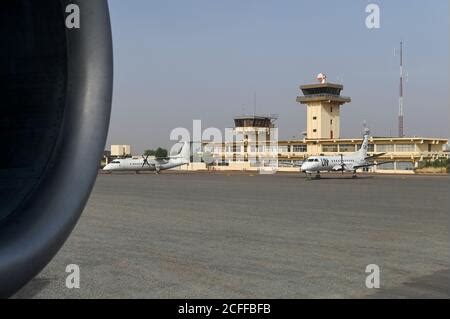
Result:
[[354, 175], [318, 175]]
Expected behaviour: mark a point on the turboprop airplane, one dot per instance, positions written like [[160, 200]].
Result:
[[155, 165], [343, 163]]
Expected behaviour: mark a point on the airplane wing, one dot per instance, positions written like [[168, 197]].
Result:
[[298, 164], [161, 160], [374, 156], [371, 164]]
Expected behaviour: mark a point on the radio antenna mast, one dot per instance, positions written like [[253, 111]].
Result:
[[400, 108]]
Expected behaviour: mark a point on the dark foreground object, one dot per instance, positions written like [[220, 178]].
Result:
[[182, 235], [55, 89]]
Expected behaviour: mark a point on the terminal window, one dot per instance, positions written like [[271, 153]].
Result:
[[405, 148], [405, 166], [299, 148], [387, 166], [347, 148], [283, 149], [385, 148], [329, 148]]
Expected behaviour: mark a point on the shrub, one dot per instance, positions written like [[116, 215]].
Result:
[[439, 163]]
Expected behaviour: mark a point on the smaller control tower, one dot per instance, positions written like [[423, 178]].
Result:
[[253, 127], [257, 140], [324, 103]]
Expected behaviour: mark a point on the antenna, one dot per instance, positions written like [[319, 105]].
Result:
[[254, 104], [400, 106], [322, 78]]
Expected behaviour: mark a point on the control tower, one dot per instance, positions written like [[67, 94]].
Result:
[[324, 103], [253, 127]]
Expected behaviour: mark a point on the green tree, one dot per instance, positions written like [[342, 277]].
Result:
[[158, 153], [161, 152], [149, 153], [441, 162]]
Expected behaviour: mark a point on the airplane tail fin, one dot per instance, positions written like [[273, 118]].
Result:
[[185, 153], [365, 145]]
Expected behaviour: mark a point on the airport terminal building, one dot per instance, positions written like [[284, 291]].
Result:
[[248, 151]]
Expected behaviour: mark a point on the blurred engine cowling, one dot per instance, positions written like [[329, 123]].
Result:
[[55, 103]]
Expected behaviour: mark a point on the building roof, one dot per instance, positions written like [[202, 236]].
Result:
[[322, 85], [373, 139], [256, 121], [258, 117], [322, 92], [323, 97]]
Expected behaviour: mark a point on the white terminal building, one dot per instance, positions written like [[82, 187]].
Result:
[[249, 151], [120, 150]]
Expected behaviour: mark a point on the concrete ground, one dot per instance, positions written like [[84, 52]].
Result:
[[200, 235]]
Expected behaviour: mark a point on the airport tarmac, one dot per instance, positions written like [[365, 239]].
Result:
[[242, 235]]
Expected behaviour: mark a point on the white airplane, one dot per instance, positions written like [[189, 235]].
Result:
[[155, 165], [343, 163]]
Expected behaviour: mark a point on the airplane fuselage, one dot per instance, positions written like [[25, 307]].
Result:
[[131, 164], [145, 164], [331, 163], [344, 163]]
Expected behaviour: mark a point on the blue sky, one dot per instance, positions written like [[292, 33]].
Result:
[[176, 61]]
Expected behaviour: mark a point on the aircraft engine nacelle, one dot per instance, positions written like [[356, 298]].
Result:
[[55, 91]]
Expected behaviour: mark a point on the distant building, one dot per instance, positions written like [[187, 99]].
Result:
[[254, 143], [120, 150], [323, 103]]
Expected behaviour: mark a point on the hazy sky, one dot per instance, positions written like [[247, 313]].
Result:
[[176, 61]]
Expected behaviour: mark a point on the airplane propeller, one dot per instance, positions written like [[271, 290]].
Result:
[[145, 158], [342, 164]]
